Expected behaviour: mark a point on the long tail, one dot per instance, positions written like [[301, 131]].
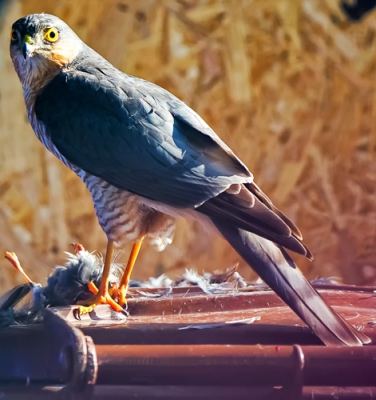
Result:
[[278, 270]]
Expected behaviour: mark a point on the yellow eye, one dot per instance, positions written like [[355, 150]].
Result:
[[51, 35], [13, 35]]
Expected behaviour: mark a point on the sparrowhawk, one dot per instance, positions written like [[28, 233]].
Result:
[[146, 157]]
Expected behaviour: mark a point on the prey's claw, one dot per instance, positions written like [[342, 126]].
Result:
[[12, 257]]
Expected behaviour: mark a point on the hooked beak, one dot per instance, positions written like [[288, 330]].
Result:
[[28, 47]]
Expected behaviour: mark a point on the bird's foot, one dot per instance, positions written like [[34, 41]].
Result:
[[87, 306]]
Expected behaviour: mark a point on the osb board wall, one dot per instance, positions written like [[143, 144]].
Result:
[[289, 85]]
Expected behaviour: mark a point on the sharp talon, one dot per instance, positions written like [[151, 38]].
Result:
[[76, 314], [125, 312]]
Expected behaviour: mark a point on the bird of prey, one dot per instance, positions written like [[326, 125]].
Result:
[[146, 157]]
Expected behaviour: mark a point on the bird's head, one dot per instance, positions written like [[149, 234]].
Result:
[[40, 45]]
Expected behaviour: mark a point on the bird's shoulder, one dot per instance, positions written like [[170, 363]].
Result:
[[136, 135], [102, 89]]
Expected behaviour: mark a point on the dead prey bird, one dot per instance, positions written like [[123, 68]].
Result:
[[77, 280]]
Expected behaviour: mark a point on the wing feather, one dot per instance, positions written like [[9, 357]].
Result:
[[136, 136]]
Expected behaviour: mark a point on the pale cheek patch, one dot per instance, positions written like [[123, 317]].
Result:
[[63, 53]]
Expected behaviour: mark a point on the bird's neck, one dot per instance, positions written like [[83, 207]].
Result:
[[32, 88], [34, 74]]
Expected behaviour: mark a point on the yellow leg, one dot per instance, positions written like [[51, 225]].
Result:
[[123, 289], [102, 295]]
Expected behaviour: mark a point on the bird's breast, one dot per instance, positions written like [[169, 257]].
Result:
[[122, 215], [42, 134], [118, 211]]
